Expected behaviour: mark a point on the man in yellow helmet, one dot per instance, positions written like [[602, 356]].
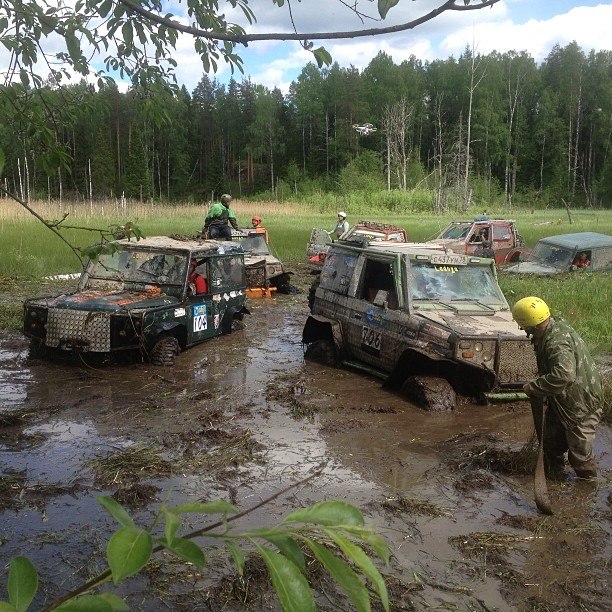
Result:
[[570, 383]]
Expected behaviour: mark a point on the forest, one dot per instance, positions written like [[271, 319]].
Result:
[[493, 128]]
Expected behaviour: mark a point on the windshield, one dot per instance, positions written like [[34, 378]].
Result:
[[140, 267], [453, 283], [557, 257], [456, 231], [255, 244]]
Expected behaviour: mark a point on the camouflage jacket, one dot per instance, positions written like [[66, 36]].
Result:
[[568, 376]]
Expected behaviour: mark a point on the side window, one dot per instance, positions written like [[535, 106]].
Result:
[[226, 271], [501, 232], [337, 272], [602, 258], [377, 276]]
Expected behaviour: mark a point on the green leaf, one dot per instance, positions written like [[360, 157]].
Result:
[[173, 522], [322, 56], [117, 604], [89, 603], [289, 583], [384, 6], [289, 548], [128, 33], [343, 575], [327, 513], [187, 550], [7, 607], [356, 555], [213, 507], [237, 555], [115, 509], [105, 7], [128, 551], [22, 583], [372, 539]]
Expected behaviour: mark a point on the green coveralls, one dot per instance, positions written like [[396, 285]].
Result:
[[571, 383]]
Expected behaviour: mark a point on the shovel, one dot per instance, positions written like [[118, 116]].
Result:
[[540, 487]]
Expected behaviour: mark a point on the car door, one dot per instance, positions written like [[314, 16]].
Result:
[[376, 310], [503, 240], [200, 315]]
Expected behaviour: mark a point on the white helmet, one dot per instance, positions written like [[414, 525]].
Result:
[[342, 214]]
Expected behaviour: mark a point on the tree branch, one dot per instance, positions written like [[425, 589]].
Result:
[[449, 5], [51, 226], [106, 574]]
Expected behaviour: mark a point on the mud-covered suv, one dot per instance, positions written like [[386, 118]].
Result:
[[138, 296], [418, 317]]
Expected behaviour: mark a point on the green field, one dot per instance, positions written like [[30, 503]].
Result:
[[31, 251]]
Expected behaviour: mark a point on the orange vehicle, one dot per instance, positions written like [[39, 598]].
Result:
[[495, 238]]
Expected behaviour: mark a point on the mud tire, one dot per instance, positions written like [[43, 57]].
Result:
[[165, 351], [322, 351], [311, 292], [431, 393], [37, 350]]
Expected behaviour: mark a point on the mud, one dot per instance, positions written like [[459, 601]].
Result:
[[241, 417]]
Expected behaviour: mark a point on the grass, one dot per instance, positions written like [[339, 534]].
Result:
[[31, 251]]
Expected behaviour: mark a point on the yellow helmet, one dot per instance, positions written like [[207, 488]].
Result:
[[530, 311]]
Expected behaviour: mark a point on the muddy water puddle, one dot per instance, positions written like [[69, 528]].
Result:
[[240, 418]]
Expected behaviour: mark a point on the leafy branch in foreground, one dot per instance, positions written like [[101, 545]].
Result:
[[333, 531], [105, 246]]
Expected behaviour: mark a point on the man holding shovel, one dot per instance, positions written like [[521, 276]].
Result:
[[571, 385]]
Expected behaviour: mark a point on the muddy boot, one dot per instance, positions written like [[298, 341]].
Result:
[[586, 470], [554, 467]]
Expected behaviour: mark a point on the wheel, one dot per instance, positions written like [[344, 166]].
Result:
[[165, 351], [311, 292], [37, 350], [323, 351], [431, 393]]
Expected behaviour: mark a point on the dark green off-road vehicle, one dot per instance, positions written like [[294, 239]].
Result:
[[429, 321], [139, 297]]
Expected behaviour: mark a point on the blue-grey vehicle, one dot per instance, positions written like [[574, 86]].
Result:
[[586, 251]]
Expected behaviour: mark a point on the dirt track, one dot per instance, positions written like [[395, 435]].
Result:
[[243, 416]]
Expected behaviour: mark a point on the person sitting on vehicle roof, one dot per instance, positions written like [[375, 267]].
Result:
[[219, 218], [582, 260], [340, 227], [197, 283]]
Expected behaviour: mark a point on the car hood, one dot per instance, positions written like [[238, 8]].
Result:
[[107, 301], [457, 246], [477, 325], [533, 267], [251, 259]]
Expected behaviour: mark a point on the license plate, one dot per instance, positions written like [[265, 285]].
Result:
[[449, 260]]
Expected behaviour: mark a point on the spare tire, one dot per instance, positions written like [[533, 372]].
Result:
[[165, 351]]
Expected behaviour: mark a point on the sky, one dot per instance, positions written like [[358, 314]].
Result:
[[534, 26]]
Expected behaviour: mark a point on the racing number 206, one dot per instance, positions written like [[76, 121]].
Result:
[[371, 338]]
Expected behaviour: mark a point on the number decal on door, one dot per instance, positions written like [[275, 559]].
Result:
[[370, 340], [200, 322]]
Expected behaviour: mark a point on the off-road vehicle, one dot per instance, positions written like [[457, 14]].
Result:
[[137, 296], [265, 272], [418, 317], [319, 242], [496, 238], [568, 252]]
